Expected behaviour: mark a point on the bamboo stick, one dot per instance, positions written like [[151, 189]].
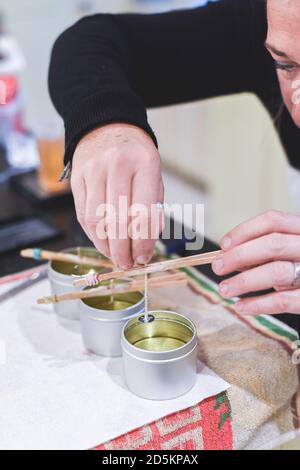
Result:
[[195, 260], [130, 286], [65, 257]]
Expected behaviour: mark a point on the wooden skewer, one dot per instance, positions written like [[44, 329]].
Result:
[[195, 260], [36, 253], [130, 286]]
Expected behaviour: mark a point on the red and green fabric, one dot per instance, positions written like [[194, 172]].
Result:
[[253, 354]]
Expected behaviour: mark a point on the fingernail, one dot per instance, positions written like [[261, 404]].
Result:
[[141, 260], [122, 266], [223, 288], [218, 264], [226, 242], [125, 267]]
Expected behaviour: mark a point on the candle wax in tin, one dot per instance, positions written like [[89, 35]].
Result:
[[159, 343], [74, 269], [162, 334], [117, 302], [159, 356]]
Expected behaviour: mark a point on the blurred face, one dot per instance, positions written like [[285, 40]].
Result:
[[283, 43]]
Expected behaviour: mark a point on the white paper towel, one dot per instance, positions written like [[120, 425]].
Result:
[[54, 395]]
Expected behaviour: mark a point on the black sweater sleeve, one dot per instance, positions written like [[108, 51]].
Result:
[[109, 68]]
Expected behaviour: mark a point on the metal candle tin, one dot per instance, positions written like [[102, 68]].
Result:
[[102, 322], [62, 275], [159, 357]]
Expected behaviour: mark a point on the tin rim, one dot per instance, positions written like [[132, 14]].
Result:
[[66, 279], [109, 315], [175, 353]]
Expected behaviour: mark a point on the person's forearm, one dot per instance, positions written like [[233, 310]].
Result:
[[88, 80], [108, 68]]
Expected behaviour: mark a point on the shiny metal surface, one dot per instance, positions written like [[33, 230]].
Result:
[[114, 302], [102, 320], [163, 334], [62, 275], [159, 358]]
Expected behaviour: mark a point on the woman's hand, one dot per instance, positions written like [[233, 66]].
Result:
[[264, 249], [110, 162]]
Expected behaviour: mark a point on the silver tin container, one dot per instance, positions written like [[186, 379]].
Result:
[[159, 357], [102, 322], [62, 275]]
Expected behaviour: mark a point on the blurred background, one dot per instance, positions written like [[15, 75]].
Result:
[[223, 152]]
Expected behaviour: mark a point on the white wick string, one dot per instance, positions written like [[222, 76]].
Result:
[[146, 296], [111, 285]]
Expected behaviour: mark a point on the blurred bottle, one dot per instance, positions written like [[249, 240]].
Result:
[[11, 109], [11, 103], [18, 147]]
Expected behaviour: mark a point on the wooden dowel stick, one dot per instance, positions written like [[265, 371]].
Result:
[[67, 258], [130, 286], [195, 260]]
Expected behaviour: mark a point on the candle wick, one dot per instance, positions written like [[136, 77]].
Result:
[[111, 288], [146, 296]]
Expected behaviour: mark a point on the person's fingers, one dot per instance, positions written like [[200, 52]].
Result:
[[79, 195], [94, 216], [161, 216], [147, 218], [278, 273], [121, 153], [263, 224], [270, 304], [273, 247], [241, 270], [118, 195]]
